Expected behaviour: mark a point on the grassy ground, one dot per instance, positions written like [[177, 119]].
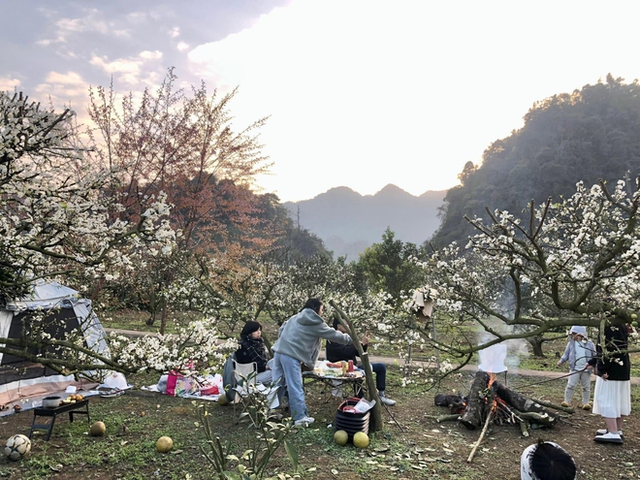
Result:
[[411, 445]]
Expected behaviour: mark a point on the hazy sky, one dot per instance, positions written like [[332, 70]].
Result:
[[361, 93]]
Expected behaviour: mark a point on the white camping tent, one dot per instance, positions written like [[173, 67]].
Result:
[[64, 311]]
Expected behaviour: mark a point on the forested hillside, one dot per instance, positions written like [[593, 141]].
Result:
[[586, 135]]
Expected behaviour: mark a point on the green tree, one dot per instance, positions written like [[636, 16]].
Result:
[[388, 266]]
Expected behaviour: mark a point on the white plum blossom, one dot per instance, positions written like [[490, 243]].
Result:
[[573, 262]]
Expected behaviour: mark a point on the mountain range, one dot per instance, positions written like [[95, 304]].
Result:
[[348, 222]]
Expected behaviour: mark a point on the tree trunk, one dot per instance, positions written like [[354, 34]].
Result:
[[163, 319], [474, 413], [536, 345], [372, 391]]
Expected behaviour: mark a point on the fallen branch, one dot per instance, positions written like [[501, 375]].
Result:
[[443, 418], [524, 428], [484, 430]]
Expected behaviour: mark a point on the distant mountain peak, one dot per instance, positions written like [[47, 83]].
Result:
[[335, 193], [392, 190]]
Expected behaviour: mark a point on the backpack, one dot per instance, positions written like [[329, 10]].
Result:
[[228, 378]]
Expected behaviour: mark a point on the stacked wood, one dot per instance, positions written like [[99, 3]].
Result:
[[492, 401]]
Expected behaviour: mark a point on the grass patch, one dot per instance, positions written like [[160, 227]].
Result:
[[411, 445]]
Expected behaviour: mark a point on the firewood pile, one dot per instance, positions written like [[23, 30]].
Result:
[[489, 401]]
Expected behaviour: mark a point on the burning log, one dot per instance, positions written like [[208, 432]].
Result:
[[490, 399], [476, 403], [525, 405], [455, 403]]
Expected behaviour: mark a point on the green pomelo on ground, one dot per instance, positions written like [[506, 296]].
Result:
[[164, 444], [361, 440], [98, 429], [341, 437]]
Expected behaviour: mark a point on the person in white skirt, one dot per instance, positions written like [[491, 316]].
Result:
[[612, 396]]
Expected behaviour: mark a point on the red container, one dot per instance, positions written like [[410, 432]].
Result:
[[351, 365]]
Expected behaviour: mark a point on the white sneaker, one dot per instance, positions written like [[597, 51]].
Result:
[[386, 400], [604, 431], [304, 421], [609, 438]]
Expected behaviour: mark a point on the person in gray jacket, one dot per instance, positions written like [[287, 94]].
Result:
[[577, 354], [298, 344]]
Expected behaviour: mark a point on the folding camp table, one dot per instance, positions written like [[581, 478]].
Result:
[[356, 381], [78, 408]]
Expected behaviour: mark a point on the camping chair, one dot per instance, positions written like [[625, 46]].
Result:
[[244, 384], [245, 388]]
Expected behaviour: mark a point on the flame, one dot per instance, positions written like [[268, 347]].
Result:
[[492, 378]]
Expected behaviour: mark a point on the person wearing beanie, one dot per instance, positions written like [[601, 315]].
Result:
[[252, 349], [547, 461], [579, 351], [338, 353]]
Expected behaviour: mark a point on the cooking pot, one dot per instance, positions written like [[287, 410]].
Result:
[[51, 402]]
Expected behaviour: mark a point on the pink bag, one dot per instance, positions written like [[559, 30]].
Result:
[[171, 382]]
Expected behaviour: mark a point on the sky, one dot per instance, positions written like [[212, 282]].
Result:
[[359, 93]]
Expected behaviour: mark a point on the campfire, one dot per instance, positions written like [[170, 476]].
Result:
[[489, 401]]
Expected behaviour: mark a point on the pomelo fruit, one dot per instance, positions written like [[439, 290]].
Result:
[[164, 444], [97, 429], [341, 437], [361, 440], [222, 399]]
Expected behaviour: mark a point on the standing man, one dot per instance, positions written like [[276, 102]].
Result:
[[299, 345], [338, 353]]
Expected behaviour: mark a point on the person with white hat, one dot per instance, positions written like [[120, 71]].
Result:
[[578, 352]]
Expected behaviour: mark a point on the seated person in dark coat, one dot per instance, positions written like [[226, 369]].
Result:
[[337, 353], [253, 349]]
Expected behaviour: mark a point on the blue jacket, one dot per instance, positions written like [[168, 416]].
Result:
[[570, 353]]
